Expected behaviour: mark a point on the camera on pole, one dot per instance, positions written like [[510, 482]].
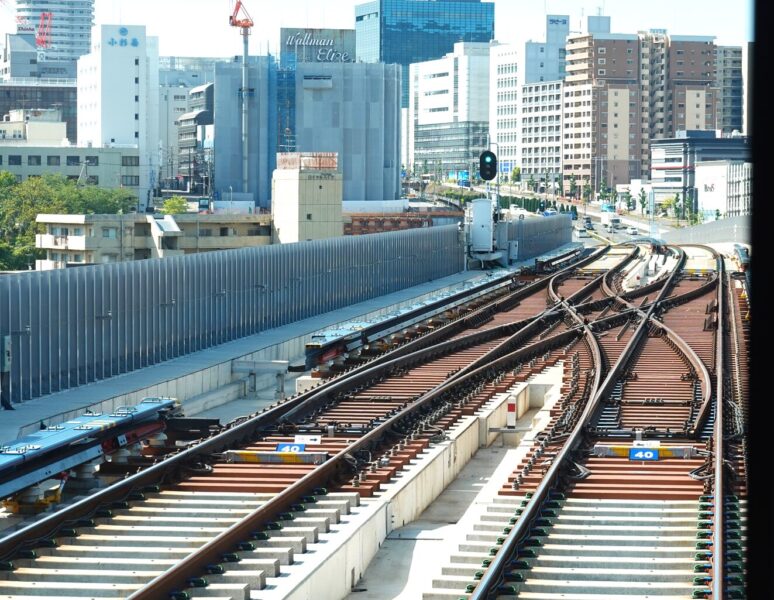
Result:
[[487, 166]]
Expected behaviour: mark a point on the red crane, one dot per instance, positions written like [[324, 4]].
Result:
[[43, 37], [245, 22]]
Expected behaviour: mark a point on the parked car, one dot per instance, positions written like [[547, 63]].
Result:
[[632, 230]]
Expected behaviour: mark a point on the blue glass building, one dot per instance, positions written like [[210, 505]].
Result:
[[410, 31]]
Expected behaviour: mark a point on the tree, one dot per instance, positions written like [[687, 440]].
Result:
[[531, 183], [587, 191], [573, 186], [643, 199], [515, 174], [22, 202], [176, 205]]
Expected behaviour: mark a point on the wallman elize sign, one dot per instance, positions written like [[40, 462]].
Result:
[[319, 45]]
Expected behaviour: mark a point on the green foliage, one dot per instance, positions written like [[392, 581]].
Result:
[[643, 199], [21, 203], [515, 174], [573, 186], [587, 191], [176, 205]]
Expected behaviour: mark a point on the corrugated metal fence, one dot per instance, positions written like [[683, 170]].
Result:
[[537, 236], [74, 326]]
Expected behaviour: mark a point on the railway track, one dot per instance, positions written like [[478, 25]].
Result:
[[230, 515], [596, 522]]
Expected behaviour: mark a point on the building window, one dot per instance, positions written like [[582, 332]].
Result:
[[600, 71], [308, 216], [73, 161], [14, 160], [33, 160], [137, 61], [137, 80], [130, 161], [53, 161], [78, 231], [92, 180], [92, 161], [109, 233], [601, 61], [133, 180]]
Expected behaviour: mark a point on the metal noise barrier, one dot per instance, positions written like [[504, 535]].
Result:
[[69, 327]]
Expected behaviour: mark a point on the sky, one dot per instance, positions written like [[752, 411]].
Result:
[[200, 27]]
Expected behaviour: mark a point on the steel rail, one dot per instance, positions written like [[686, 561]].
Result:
[[196, 563], [718, 540], [224, 440], [487, 586]]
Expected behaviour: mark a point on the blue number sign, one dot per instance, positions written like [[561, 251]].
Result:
[[290, 447], [643, 453]]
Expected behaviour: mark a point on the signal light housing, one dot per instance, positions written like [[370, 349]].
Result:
[[487, 166]]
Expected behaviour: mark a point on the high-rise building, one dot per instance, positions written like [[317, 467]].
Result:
[[729, 83], [449, 111], [545, 61], [70, 23], [624, 90], [118, 97], [413, 31], [504, 95], [540, 138]]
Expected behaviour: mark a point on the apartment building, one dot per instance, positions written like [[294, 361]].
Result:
[[504, 96], [78, 240], [541, 134], [622, 91], [730, 89]]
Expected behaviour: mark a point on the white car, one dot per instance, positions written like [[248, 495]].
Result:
[[632, 230]]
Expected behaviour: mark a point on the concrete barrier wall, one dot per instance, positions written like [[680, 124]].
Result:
[[733, 229]]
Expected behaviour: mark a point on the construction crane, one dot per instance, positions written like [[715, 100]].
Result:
[[245, 23], [43, 36]]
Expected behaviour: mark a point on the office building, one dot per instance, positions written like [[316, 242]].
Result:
[[306, 197], [504, 96], [449, 111], [674, 160], [730, 89], [118, 98], [34, 143], [69, 21], [545, 61], [42, 94], [352, 109], [413, 31], [77, 240], [196, 133], [723, 188]]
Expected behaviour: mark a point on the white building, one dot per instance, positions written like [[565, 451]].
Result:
[[70, 23], [541, 134], [504, 80], [306, 197], [724, 188], [449, 110], [118, 98], [545, 61]]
